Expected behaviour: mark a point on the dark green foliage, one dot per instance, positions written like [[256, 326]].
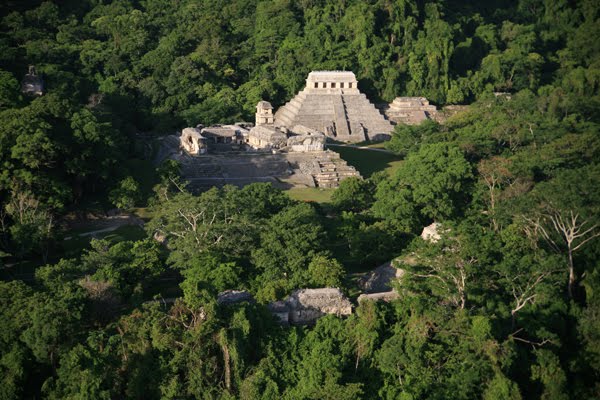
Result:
[[504, 306]]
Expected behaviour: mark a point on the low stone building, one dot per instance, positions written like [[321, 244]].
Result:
[[380, 279], [377, 284], [382, 296], [410, 110], [192, 141], [224, 134], [305, 306]]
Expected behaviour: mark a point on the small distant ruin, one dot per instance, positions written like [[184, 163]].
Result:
[[305, 306], [410, 110], [377, 284], [32, 84], [431, 233], [302, 307], [380, 279], [229, 297]]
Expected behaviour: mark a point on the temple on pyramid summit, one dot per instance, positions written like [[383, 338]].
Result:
[[331, 103]]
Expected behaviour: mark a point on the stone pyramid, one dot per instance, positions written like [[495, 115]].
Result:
[[331, 103]]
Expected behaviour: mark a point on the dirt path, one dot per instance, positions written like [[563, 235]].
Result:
[[110, 224]]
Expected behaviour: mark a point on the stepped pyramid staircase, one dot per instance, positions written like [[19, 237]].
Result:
[[347, 117]]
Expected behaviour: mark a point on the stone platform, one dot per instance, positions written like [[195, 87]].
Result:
[[284, 170]]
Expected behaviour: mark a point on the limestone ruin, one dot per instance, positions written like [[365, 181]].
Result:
[[431, 233], [377, 284], [379, 280], [331, 103], [302, 307], [229, 297], [32, 84], [305, 306], [233, 154], [410, 110], [193, 142], [264, 114]]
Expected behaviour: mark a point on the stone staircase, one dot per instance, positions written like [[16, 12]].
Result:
[[332, 171], [353, 116]]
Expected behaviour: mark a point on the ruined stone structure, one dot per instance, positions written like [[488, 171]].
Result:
[[305, 306], [305, 140], [380, 279], [225, 134], [193, 142], [431, 233], [229, 297], [266, 137], [331, 103], [264, 114], [284, 170], [381, 296], [377, 284], [32, 84], [410, 110]]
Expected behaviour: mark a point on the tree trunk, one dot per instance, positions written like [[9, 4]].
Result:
[[571, 286], [513, 319]]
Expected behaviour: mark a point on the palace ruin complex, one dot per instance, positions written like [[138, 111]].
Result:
[[288, 147]]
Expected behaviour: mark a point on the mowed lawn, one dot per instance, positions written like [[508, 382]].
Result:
[[311, 194]]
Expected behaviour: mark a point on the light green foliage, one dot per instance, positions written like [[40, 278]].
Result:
[[408, 138], [502, 388], [292, 239], [325, 272], [431, 183], [126, 194], [353, 194], [208, 273], [549, 372]]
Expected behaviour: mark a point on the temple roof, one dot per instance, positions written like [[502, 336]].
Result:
[[332, 75], [264, 104]]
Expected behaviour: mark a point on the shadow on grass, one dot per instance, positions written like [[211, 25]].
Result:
[[367, 162]]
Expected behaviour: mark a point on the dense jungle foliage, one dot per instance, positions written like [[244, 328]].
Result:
[[505, 306]]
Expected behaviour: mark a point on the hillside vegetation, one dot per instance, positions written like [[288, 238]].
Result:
[[505, 305]]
